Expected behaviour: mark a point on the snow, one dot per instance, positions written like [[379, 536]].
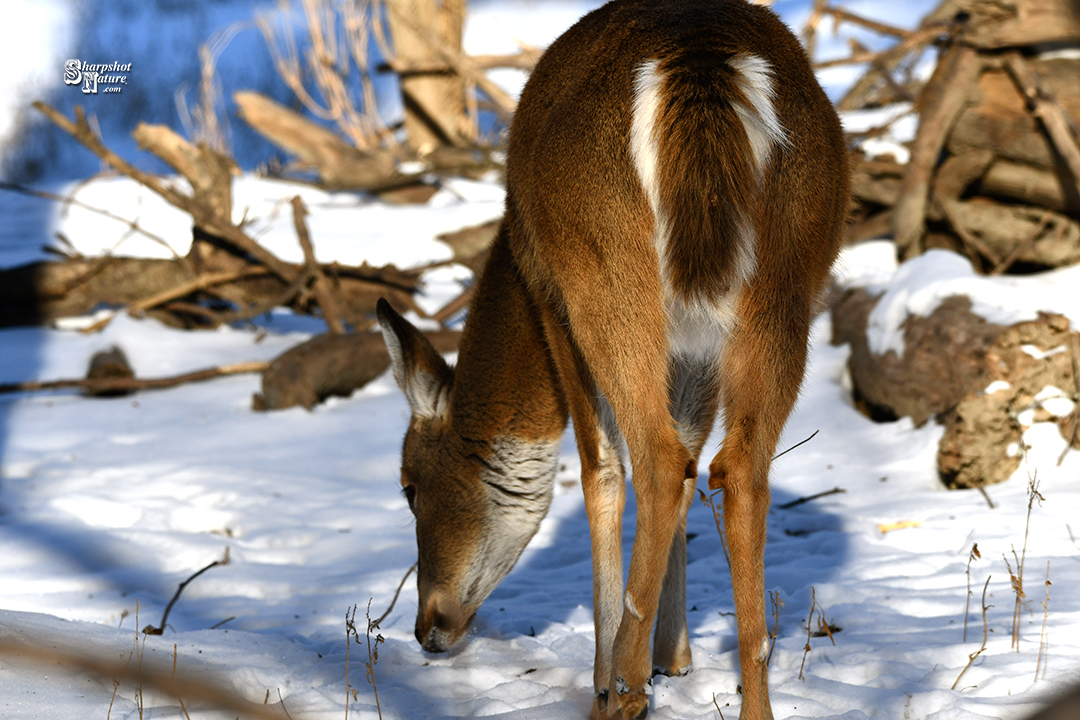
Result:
[[920, 285], [389, 234], [106, 505]]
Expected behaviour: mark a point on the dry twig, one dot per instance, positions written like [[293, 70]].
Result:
[[202, 282], [151, 630], [396, 593], [841, 16], [809, 629], [373, 656], [777, 603], [203, 215], [808, 498], [114, 384], [461, 64], [973, 555], [133, 225], [707, 501], [977, 653], [323, 292], [1018, 579], [122, 670], [1044, 642]]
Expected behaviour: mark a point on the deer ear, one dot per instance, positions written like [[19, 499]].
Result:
[[420, 371]]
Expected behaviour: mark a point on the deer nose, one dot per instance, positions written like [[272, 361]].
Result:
[[440, 623]]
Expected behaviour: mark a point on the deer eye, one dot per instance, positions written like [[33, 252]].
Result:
[[409, 491]]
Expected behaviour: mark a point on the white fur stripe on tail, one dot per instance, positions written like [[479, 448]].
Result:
[[643, 145], [761, 122]]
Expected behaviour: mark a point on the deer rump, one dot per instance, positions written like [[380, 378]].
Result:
[[676, 187]]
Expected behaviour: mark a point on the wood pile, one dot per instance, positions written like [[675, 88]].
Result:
[[993, 174], [985, 383], [994, 166]]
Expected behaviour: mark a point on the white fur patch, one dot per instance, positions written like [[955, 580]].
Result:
[[647, 83], [696, 328], [630, 607], [761, 122], [643, 145], [764, 652], [520, 477]]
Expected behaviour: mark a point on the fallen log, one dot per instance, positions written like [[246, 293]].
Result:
[[1000, 120], [330, 365], [1033, 236], [940, 104], [1027, 184], [1015, 23], [339, 164], [112, 386], [45, 291], [974, 377], [942, 359]]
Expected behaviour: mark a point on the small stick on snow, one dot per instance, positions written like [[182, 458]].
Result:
[[110, 384], [977, 653], [798, 444], [777, 603], [1044, 643], [396, 593], [973, 555], [708, 502], [150, 629], [809, 630], [808, 498]]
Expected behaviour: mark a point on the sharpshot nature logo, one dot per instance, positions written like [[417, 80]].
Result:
[[109, 77]]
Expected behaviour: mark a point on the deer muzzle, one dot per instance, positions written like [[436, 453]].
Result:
[[440, 622]]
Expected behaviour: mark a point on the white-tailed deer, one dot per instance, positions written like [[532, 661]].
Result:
[[676, 188]]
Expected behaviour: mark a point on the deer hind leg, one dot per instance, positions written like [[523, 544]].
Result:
[[693, 400], [622, 338], [762, 369], [603, 483]]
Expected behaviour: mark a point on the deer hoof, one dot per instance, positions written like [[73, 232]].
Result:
[[599, 706], [634, 706], [678, 671]]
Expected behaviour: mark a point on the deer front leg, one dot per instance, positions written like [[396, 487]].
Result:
[[603, 483], [671, 645], [605, 498]]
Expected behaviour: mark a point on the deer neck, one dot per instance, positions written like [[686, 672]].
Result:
[[506, 396]]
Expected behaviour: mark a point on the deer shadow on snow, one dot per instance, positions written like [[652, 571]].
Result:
[[551, 585], [805, 546]]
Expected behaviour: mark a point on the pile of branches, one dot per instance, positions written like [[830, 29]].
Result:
[[993, 174], [226, 277], [994, 169]]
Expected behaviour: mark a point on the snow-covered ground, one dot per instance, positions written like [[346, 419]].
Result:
[[106, 505]]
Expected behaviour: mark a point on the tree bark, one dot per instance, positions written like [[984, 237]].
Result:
[[330, 365], [434, 104], [940, 104], [339, 164]]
